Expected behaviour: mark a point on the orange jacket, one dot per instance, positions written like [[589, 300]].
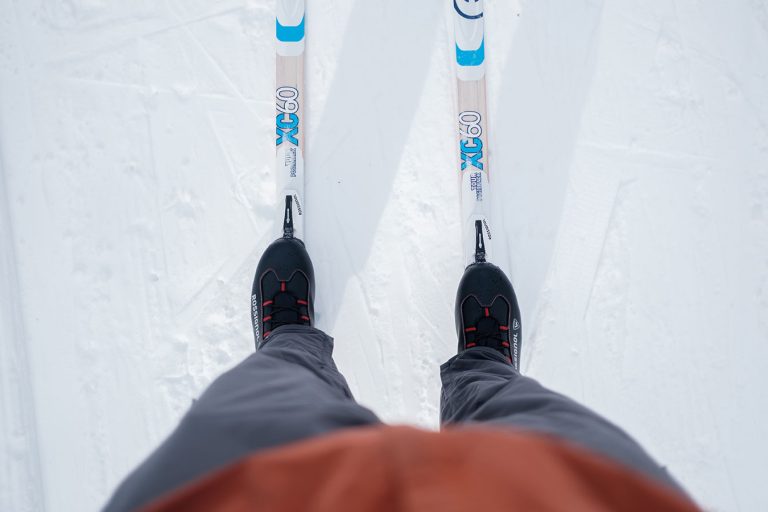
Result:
[[406, 469]]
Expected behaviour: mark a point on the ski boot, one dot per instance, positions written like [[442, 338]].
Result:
[[284, 287], [487, 314]]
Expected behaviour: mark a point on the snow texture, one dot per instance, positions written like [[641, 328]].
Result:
[[629, 158]]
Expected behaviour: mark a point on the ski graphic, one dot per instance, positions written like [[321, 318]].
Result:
[[469, 31], [289, 103]]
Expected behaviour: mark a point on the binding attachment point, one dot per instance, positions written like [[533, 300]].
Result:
[[479, 242], [288, 218]]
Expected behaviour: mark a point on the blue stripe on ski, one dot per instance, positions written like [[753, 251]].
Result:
[[471, 57], [290, 34], [463, 15]]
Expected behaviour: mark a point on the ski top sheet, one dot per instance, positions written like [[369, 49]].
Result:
[[469, 30], [289, 103]]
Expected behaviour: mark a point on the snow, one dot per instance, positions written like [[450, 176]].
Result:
[[630, 164]]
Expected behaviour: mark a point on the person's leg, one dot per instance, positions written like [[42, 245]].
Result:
[[287, 391], [480, 386]]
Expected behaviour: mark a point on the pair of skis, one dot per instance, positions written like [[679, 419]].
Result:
[[472, 129]]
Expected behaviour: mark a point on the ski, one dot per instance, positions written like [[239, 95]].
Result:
[[469, 33], [480, 274], [289, 103]]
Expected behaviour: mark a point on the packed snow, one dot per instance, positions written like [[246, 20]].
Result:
[[629, 160]]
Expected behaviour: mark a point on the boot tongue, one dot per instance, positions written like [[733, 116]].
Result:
[[487, 329], [287, 311]]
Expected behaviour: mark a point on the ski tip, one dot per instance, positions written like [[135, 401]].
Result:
[[289, 27], [469, 31], [468, 9]]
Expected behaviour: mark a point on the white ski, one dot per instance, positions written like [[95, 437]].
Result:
[[289, 98], [469, 30]]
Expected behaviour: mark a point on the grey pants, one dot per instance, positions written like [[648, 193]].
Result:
[[291, 390]]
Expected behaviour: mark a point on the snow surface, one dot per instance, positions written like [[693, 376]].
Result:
[[630, 163]]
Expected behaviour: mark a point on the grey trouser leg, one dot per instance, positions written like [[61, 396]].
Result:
[[288, 391], [480, 386]]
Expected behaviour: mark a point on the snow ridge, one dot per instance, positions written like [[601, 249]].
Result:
[[21, 480]]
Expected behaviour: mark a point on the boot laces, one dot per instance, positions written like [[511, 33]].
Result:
[[489, 333], [284, 309]]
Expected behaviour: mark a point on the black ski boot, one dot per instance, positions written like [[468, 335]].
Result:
[[283, 289], [487, 314]]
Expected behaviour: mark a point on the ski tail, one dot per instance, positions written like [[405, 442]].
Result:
[[289, 104], [469, 31]]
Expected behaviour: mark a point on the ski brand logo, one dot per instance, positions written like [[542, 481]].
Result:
[[515, 324], [487, 229], [469, 9], [476, 184], [290, 161], [298, 203], [287, 120], [471, 144]]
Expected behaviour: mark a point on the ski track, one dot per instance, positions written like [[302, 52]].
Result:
[[629, 159]]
